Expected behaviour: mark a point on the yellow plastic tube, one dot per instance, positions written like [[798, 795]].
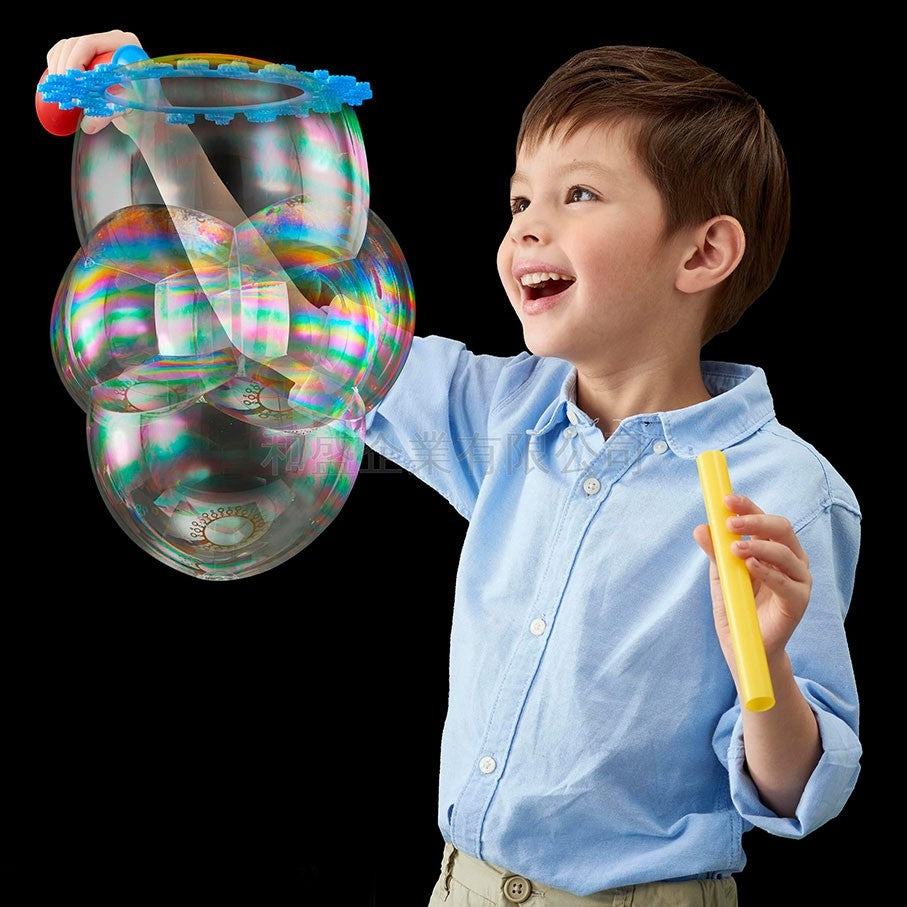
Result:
[[736, 586]]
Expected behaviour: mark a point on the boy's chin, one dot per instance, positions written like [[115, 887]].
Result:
[[544, 346]]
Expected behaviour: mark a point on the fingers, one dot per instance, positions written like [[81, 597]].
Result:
[[77, 53], [741, 504], [772, 553], [771, 549], [791, 593], [752, 521], [60, 54], [774, 556]]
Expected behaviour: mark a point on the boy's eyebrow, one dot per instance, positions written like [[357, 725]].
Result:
[[572, 167]]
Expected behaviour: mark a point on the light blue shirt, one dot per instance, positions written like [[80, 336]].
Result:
[[593, 735]]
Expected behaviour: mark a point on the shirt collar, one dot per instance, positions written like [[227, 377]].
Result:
[[740, 404], [557, 411]]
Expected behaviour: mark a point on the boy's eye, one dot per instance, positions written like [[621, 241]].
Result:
[[518, 204], [579, 194]]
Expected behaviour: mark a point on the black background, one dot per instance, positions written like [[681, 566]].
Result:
[[276, 740]]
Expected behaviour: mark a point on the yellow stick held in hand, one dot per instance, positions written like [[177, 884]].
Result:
[[736, 586]]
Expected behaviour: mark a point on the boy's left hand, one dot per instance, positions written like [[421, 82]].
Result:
[[77, 53], [779, 569]]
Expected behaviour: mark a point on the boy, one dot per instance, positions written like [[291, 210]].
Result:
[[595, 750]]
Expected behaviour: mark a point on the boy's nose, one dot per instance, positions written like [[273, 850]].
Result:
[[528, 231]]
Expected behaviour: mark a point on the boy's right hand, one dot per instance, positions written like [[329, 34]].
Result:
[[77, 53]]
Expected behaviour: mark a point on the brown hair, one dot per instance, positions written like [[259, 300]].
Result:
[[706, 144]]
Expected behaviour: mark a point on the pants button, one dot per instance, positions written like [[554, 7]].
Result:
[[517, 889]]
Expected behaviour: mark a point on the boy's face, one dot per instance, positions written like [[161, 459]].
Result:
[[584, 209]]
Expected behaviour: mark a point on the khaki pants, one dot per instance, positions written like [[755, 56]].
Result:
[[467, 882]]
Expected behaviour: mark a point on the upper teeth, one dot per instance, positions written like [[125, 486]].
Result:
[[537, 277]]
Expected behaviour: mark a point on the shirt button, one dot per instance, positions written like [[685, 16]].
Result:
[[659, 446], [537, 627], [572, 417], [487, 765], [592, 485], [570, 432], [517, 890]]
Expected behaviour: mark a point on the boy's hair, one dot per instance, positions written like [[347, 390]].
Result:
[[705, 143]]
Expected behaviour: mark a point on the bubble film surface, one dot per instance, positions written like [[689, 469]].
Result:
[[233, 313]]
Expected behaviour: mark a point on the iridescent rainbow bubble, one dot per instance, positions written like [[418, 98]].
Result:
[[235, 309]]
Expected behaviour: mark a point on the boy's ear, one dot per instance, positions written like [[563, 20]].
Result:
[[715, 249]]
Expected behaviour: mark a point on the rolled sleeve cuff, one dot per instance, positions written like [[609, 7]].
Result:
[[827, 789]]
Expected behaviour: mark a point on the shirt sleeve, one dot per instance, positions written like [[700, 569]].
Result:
[[823, 671], [434, 420]]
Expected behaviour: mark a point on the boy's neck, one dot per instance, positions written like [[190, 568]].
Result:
[[613, 394]]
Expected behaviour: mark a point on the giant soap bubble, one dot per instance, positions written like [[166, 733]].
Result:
[[235, 308]]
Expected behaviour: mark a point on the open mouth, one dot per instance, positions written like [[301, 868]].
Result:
[[543, 284]]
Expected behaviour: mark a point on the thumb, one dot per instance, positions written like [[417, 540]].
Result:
[[91, 125], [703, 537]]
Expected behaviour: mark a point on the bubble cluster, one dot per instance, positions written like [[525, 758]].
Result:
[[233, 313]]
